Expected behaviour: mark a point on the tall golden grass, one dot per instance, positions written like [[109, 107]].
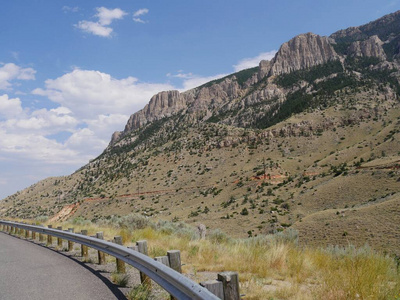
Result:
[[272, 267]]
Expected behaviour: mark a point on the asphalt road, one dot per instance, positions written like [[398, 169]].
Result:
[[30, 271]]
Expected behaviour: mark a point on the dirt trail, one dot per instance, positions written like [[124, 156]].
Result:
[[65, 213]]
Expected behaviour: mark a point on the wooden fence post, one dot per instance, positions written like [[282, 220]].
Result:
[[142, 248], [41, 236], [101, 255], [214, 286], [162, 259], [49, 237], [84, 249], [174, 258], [59, 240], [70, 243], [33, 233], [120, 263], [230, 282]]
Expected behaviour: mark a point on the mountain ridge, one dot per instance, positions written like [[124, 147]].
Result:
[[259, 150]]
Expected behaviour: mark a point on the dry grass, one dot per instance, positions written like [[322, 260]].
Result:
[[275, 267]]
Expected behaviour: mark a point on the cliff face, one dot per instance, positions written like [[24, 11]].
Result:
[[301, 52], [371, 47], [243, 98], [164, 104]]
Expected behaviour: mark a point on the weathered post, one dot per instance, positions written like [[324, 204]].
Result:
[[70, 243], [120, 263], [26, 233], [33, 233], [101, 255], [41, 238], [142, 248], [59, 240], [214, 286], [162, 259], [174, 258], [49, 237], [84, 249], [230, 282]]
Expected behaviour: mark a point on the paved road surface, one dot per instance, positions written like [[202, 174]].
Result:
[[29, 271]]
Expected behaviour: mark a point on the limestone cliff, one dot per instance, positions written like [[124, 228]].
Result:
[[301, 52], [241, 99], [371, 47]]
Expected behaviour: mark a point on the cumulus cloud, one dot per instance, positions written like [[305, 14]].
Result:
[[138, 13], [105, 17], [10, 71], [95, 28], [251, 62], [9, 107], [91, 93], [36, 147]]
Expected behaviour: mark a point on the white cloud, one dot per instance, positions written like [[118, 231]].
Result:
[[196, 81], [92, 93], [102, 124], [42, 121], [10, 107], [190, 80], [138, 13], [67, 8], [95, 28], [105, 17], [251, 62], [10, 71]]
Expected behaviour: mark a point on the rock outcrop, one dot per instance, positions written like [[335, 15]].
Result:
[[164, 104], [301, 52], [371, 47], [239, 101]]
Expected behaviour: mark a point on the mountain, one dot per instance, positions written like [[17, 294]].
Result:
[[308, 140]]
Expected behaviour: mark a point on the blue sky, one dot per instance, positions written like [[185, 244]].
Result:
[[71, 72]]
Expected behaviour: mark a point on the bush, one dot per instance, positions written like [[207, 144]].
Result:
[[130, 222], [218, 236]]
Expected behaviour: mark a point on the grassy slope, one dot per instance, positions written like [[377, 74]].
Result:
[[186, 182]]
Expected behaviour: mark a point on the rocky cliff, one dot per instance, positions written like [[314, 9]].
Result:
[[301, 52], [371, 47], [250, 97]]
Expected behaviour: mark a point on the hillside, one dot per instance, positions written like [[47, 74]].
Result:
[[308, 140]]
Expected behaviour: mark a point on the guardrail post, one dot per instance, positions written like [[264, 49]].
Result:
[[230, 282], [120, 263], [101, 255], [33, 233], [59, 240], [41, 238], [49, 237], [214, 286], [70, 243], [142, 248], [174, 258], [84, 249], [162, 259], [26, 233]]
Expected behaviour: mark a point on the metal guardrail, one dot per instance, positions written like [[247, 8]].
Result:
[[173, 282]]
